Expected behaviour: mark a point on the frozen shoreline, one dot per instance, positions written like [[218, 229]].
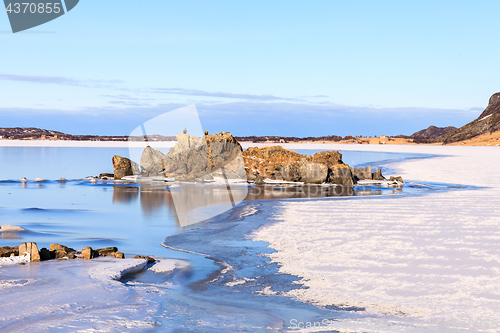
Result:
[[432, 257], [91, 144]]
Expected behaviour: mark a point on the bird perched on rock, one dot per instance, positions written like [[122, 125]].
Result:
[[185, 130], [206, 132]]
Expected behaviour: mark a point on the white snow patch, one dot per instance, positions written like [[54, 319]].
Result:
[[168, 265], [15, 260], [485, 117]]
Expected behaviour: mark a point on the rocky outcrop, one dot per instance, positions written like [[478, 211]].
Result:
[[123, 166], [264, 161], [202, 158], [340, 174], [58, 251], [109, 252], [377, 175], [193, 157], [328, 158], [314, 172], [151, 162], [290, 173], [362, 174], [487, 122]]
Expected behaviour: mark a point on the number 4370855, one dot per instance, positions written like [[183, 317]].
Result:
[[26, 7]]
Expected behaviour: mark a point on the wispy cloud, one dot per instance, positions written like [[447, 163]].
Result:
[[56, 80], [194, 92]]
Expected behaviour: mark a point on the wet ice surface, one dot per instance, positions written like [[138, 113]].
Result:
[[234, 289]]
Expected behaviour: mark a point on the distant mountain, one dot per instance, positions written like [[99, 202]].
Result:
[[432, 132], [488, 122], [19, 132]]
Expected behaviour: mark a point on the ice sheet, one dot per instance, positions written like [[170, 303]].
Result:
[[433, 257]]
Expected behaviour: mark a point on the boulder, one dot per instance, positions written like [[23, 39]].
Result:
[[290, 173], [377, 175], [87, 253], [329, 158], [148, 258], [251, 177], [106, 175], [119, 255], [193, 157], [362, 174], [108, 251], [397, 179], [59, 254], [188, 159], [265, 161], [314, 173], [22, 249], [45, 254], [56, 247], [151, 161], [122, 167], [32, 249], [340, 174], [7, 251]]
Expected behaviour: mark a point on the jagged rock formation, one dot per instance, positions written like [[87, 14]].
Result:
[[278, 163], [201, 158], [432, 132], [194, 157], [488, 121]]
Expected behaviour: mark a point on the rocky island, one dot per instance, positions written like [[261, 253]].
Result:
[[200, 159]]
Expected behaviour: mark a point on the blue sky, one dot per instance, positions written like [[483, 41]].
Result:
[[295, 68]]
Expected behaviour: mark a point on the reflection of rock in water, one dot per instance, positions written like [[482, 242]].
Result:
[[195, 204], [153, 199], [306, 191], [9, 235], [125, 194]]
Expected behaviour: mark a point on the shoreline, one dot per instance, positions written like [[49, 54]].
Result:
[[244, 144]]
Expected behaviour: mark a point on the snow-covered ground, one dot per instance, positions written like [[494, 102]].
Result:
[[432, 259], [79, 296]]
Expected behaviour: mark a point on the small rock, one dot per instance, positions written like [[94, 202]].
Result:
[[106, 175], [119, 255], [259, 180], [397, 179], [7, 251], [55, 247], [71, 256], [87, 253], [148, 258], [377, 175], [108, 251], [122, 167], [45, 254]]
